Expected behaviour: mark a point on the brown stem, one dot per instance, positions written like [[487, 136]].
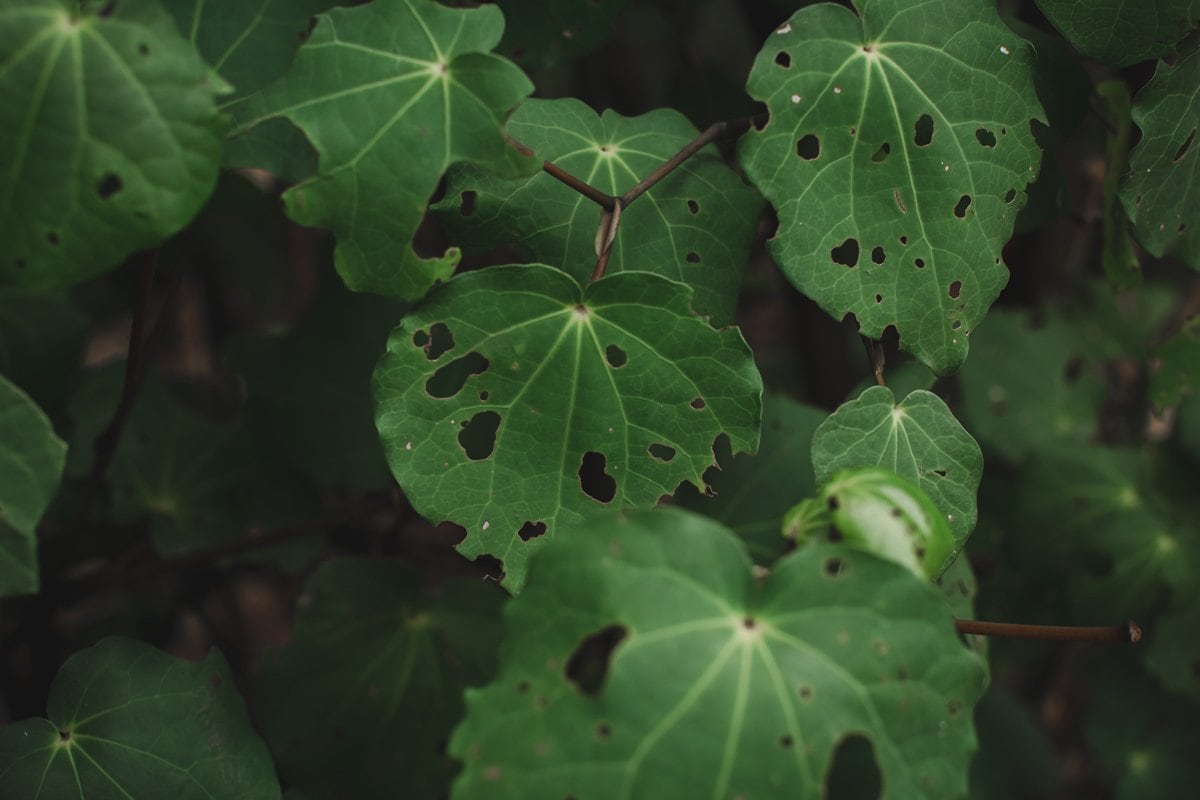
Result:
[[718, 130], [598, 197], [875, 356], [1127, 633], [104, 448], [605, 236]]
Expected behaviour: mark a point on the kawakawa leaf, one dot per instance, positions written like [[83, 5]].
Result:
[[126, 720], [31, 464], [110, 136], [896, 153], [665, 669], [390, 93], [398, 662], [515, 403], [540, 34], [1162, 192], [918, 439], [1121, 33], [695, 226]]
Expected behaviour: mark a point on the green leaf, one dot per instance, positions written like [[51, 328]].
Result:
[[918, 439], [249, 43], [512, 393], [390, 94], [896, 189], [539, 34], [751, 493], [1174, 650], [397, 664], [719, 685], [1030, 387], [1176, 366], [1162, 193], [276, 146], [879, 512], [126, 720], [696, 226], [31, 464], [1120, 33], [110, 137], [1117, 255]]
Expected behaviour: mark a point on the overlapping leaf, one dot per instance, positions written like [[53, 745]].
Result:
[[110, 137], [1121, 33], [390, 94], [1162, 193], [31, 463], [719, 685], [126, 720], [695, 226], [896, 187], [540, 34], [516, 403], [919, 439], [381, 672]]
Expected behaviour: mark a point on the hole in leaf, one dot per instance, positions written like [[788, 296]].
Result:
[[878, 255], [808, 147], [483, 396], [904, 240], [846, 253], [785, 741], [956, 289], [436, 342], [805, 692], [615, 356], [919, 263], [693, 207], [697, 404], [899, 204], [467, 205], [854, 772], [109, 185], [531, 530], [693, 258], [985, 137], [964, 203], [956, 324], [143, 49], [880, 155], [1183, 148], [52, 238], [1009, 196], [834, 567], [450, 378], [587, 667], [923, 130], [783, 59], [492, 567], [662, 452], [603, 731], [478, 436], [594, 481], [878, 298]]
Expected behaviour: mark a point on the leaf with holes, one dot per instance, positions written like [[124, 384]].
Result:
[[539, 34], [1121, 33], [1162, 192], [696, 226], [918, 439], [390, 94], [670, 671], [516, 404], [126, 720], [896, 187], [399, 662], [31, 464], [110, 136]]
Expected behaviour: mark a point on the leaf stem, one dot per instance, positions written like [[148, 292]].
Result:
[[1128, 633], [875, 356], [605, 201], [605, 236]]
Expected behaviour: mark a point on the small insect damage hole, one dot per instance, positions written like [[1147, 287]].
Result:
[[466, 206], [109, 185], [846, 253], [594, 481], [143, 49], [603, 731], [693, 257], [900, 205], [693, 206], [662, 452], [834, 567], [880, 155], [878, 299], [52, 238], [805, 692], [808, 147], [531, 530], [985, 137], [1183, 148], [919, 263], [491, 567], [923, 130], [435, 342], [853, 771], [587, 666], [783, 59], [478, 436], [450, 378], [960, 210], [615, 356], [697, 404], [955, 289], [878, 256], [904, 241], [786, 741]]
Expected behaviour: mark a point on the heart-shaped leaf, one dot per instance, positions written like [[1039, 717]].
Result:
[[895, 186], [514, 403], [645, 660], [390, 93], [1120, 33]]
